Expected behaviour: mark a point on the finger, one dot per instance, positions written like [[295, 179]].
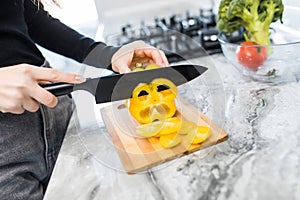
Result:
[[48, 74], [30, 104], [11, 104], [153, 53], [15, 109], [124, 69], [44, 82], [164, 58], [43, 96], [121, 67]]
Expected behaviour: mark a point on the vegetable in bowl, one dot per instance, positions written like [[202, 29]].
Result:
[[254, 45], [251, 55], [254, 16]]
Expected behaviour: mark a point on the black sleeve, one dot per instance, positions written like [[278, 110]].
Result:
[[55, 36]]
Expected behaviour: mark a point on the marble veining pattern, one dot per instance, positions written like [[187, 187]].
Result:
[[260, 159]]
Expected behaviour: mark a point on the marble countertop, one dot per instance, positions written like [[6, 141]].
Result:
[[259, 160]]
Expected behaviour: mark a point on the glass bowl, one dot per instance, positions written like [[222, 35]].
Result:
[[277, 62]]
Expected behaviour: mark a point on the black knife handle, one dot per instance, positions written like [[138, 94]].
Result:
[[59, 89]]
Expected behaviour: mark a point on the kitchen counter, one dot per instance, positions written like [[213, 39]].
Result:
[[259, 160]]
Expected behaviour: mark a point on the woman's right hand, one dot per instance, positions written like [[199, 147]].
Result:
[[20, 89]]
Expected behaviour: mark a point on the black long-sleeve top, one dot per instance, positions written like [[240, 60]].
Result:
[[23, 25]]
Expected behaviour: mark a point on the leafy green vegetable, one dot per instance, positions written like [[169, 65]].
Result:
[[255, 16]]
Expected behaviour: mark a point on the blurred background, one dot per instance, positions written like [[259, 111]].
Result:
[[100, 19]]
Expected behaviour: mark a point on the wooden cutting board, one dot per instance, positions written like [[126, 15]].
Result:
[[138, 154]]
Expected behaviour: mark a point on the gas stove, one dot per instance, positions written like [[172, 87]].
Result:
[[179, 37]]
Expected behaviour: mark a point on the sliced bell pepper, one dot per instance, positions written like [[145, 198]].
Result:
[[148, 103], [199, 134], [158, 128], [170, 140]]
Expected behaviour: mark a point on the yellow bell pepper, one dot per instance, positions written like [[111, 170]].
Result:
[[155, 110], [149, 104], [158, 128], [199, 134], [170, 140]]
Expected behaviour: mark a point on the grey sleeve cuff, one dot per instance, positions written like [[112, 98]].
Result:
[[100, 55]]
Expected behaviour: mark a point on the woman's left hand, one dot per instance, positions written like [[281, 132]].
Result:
[[137, 52]]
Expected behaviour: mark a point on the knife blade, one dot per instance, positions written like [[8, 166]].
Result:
[[120, 86]]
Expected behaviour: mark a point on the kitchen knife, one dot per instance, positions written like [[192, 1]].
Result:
[[120, 86]]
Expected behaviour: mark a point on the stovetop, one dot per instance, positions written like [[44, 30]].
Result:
[[179, 37]]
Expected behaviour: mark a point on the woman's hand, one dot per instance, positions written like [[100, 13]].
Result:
[[20, 89], [137, 52]]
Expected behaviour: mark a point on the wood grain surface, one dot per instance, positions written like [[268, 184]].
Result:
[[138, 154]]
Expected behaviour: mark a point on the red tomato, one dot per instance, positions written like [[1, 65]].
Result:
[[251, 55]]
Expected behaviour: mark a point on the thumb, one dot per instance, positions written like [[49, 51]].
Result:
[[124, 69]]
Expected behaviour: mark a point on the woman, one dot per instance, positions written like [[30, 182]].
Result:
[[33, 121]]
